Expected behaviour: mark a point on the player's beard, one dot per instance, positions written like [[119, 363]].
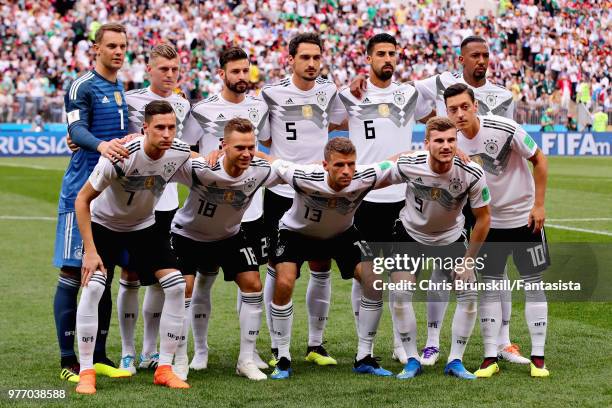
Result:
[[384, 75], [479, 75], [237, 87]]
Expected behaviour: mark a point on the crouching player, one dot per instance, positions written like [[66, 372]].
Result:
[[123, 196], [206, 232], [431, 226], [319, 225]]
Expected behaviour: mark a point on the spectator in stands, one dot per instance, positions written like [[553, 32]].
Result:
[[547, 121]]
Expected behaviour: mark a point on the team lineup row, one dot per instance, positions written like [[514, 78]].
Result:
[[293, 118]]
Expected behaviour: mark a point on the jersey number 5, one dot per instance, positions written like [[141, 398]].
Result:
[[290, 128]]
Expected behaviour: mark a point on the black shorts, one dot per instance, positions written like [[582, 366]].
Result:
[[375, 221], [163, 219], [529, 252], [347, 248], [234, 255], [275, 206], [255, 232], [405, 244], [147, 249]]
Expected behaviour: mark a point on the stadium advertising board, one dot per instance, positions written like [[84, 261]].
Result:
[[552, 143]]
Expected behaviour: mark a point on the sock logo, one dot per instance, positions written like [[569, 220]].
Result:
[[539, 324], [88, 339], [322, 318], [69, 333], [433, 325], [157, 315], [253, 332], [372, 333], [405, 339], [200, 315], [487, 319], [129, 315]]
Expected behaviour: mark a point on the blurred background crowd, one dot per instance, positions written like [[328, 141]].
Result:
[[554, 55]]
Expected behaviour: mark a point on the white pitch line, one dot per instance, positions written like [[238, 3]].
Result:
[[28, 166], [577, 219], [590, 231], [26, 218]]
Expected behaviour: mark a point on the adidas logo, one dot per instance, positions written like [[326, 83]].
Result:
[[367, 100], [105, 99], [289, 102], [220, 117], [418, 180], [135, 173]]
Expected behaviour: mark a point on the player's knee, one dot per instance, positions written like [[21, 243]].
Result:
[[130, 276], [251, 286], [174, 286]]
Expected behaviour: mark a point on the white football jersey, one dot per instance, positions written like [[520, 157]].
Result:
[[318, 211], [433, 214], [492, 99], [137, 100], [299, 121], [206, 124], [132, 188], [217, 201], [380, 126], [501, 147]]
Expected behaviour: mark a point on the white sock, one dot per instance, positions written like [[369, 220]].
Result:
[[356, 293], [250, 323], [173, 313], [127, 311], [463, 323], [490, 321], [87, 318], [437, 303], [503, 339], [181, 349], [318, 295], [405, 320], [536, 315], [268, 293], [282, 322], [151, 312], [397, 341], [200, 310], [370, 312]]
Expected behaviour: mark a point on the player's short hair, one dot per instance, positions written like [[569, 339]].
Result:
[[342, 145], [382, 38], [472, 39], [156, 108], [458, 89], [163, 50], [240, 125], [116, 27], [304, 38], [231, 54], [438, 124]]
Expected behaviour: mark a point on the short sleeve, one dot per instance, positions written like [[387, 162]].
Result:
[[183, 174], [427, 92], [102, 174], [523, 143], [479, 191], [422, 107], [192, 132], [284, 169], [337, 112]]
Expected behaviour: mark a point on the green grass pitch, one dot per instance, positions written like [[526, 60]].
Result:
[[578, 344]]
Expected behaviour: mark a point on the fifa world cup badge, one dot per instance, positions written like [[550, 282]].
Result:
[[307, 111], [477, 159], [229, 196], [149, 182], [383, 110], [118, 98], [435, 193]]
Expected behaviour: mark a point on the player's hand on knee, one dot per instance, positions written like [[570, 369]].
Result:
[[464, 273], [463, 156], [537, 216], [73, 147], [90, 263], [113, 150]]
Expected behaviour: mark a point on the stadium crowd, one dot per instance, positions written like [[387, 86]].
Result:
[[549, 53]]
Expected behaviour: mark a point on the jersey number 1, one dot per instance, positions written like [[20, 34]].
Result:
[[121, 116]]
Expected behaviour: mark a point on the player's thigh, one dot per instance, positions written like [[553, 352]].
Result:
[[494, 254], [163, 221], [255, 232], [275, 207], [237, 256], [376, 223], [193, 256], [151, 251], [349, 249], [293, 248], [110, 245], [68, 242], [530, 254]]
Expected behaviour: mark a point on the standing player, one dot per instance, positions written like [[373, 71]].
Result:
[[206, 231], [122, 218], [431, 224], [97, 116], [320, 224], [380, 126], [205, 128], [302, 107], [492, 100], [164, 69], [517, 217]]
